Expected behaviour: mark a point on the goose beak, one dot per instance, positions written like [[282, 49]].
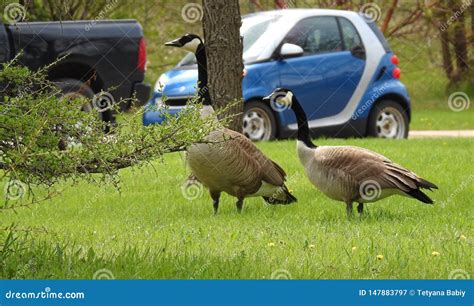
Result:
[[174, 43], [267, 98]]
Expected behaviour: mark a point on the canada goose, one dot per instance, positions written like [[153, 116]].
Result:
[[346, 173], [193, 43], [230, 162]]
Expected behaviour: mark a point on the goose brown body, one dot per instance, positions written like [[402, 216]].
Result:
[[227, 161], [350, 174], [343, 172], [231, 163]]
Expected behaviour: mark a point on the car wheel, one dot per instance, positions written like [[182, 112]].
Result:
[[388, 119], [259, 122], [74, 89]]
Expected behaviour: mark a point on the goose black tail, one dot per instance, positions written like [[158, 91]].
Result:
[[428, 185], [283, 196], [420, 196]]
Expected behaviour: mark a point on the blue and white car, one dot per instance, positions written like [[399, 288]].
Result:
[[336, 62]]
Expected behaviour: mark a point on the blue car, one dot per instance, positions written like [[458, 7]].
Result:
[[337, 62]]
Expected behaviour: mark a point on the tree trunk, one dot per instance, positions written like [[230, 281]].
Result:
[[459, 41], [447, 63], [221, 26], [440, 19], [472, 28]]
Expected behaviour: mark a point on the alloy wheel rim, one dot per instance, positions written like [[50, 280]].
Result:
[[256, 124], [390, 124]]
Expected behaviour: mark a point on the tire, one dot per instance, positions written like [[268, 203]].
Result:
[[259, 122], [388, 119], [75, 88]]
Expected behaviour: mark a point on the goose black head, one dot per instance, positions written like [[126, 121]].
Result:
[[188, 42], [282, 96]]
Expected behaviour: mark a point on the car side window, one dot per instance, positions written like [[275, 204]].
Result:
[[349, 34], [316, 35]]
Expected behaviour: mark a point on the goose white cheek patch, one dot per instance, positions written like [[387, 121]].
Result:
[[192, 45], [286, 100]]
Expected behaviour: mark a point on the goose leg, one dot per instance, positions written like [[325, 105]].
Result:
[[360, 209], [349, 209], [215, 201], [239, 204]]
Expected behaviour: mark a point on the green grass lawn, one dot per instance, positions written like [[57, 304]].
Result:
[[151, 230], [442, 119]]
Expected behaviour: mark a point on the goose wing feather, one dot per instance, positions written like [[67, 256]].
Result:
[[359, 165], [233, 163], [271, 172]]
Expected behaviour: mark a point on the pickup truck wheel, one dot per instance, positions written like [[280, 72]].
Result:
[[388, 119], [73, 89], [259, 122]]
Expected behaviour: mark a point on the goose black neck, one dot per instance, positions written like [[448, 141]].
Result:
[[303, 128], [203, 90]]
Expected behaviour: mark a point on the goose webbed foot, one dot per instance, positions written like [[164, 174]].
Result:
[[360, 209]]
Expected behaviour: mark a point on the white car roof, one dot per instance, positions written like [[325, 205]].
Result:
[[302, 13], [265, 46]]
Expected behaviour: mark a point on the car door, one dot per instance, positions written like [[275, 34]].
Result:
[[326, 75]]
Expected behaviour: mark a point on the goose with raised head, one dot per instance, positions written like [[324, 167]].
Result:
[[193, 43], [230, 162], [347, 173]]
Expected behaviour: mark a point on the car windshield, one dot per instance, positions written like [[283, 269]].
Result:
[[253, 27]]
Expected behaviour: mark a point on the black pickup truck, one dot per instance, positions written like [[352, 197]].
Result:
[[99, 55]]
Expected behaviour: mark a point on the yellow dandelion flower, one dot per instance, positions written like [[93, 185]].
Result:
[[312, 246], [462, 237], [380, 257], [435, 254], [354, 248], [271, 244]]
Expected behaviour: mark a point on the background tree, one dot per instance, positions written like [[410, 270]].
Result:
[[69, 9], [221, 25], [451, 20]]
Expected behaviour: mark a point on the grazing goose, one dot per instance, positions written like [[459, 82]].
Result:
[[346, 173], [230, 162]]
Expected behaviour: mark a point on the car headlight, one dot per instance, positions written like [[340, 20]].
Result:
[[160, 84]]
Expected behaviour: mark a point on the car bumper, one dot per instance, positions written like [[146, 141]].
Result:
[[141, 92]]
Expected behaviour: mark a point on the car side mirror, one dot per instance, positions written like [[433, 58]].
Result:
[[358, 52], [290, 50]]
